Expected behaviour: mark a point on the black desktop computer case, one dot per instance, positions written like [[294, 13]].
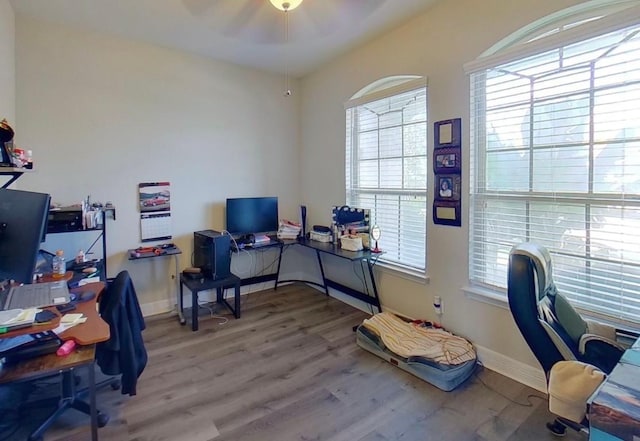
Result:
[[212, 253]]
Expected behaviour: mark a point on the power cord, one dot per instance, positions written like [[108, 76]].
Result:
[[480, 366], [211, 312]]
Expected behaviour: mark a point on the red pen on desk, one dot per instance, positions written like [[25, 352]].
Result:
[[66, 348]]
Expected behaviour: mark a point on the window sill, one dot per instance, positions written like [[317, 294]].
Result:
[[404, 273], [486, 295]]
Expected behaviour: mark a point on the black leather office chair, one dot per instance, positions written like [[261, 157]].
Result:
[[123, 355], [553, 330]]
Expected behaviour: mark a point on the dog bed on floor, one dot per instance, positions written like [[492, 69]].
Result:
[[444, 376]]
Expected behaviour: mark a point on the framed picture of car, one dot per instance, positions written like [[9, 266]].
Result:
[[154, 196]]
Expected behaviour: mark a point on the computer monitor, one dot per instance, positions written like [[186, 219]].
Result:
[[23, 219], [252, 215]]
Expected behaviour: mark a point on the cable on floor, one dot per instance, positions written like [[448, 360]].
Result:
[[211, 312], [529, 403]]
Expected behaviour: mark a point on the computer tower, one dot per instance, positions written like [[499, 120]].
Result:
[[212, 253]]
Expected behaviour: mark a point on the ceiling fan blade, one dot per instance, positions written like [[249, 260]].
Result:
[[244, 15], [197, 7], [325, 16]]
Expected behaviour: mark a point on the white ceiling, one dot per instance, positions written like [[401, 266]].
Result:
[[246, 32]]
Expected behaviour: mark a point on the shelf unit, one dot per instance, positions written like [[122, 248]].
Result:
[[14, 172], [102, 235]]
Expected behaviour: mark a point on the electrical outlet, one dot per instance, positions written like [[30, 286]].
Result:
[[437, 305]]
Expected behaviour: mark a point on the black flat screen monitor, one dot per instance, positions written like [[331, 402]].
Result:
[[23, 219], [252, 215]]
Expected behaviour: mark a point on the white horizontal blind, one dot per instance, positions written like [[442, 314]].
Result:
[[556, 160], [386, 171]]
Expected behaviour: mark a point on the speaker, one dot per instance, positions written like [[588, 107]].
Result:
[[212, 253], [303, 219]]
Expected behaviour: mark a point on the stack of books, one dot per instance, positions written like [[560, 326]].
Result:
[[288, 229]]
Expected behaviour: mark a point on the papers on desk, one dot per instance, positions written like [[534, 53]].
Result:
[[68, 321], [88, 280], [17, 318]]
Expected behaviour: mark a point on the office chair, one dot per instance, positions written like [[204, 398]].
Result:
[[574, 353], [123, 355]]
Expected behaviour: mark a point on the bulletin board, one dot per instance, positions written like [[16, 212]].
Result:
[[447, 168]]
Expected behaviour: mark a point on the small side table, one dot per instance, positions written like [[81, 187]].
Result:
[[203, 284]]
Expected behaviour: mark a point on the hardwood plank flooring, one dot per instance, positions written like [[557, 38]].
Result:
[[290, 369]]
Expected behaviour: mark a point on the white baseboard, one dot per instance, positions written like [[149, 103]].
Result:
[[516, 370], [155, 308]]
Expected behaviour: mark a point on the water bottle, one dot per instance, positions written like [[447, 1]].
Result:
[[59, 266]]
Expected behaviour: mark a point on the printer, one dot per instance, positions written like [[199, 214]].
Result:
[[64, 219]]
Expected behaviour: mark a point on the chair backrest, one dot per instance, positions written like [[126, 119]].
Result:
[[532, 300], [124, 353]]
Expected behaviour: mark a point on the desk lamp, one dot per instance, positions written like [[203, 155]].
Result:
[[375, 235]]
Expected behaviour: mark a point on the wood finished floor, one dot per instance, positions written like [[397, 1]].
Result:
[[290, 369]]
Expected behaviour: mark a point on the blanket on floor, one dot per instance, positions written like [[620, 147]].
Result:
[[409, 339]]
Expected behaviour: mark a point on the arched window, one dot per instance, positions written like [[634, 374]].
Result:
[[555, 134], [386, 165]]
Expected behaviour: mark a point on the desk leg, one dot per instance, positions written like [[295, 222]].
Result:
[[194, 310], [181, 304], [275, 286], [92, 402], [237, 299], [179, 283], [324, 279], [374, 286]]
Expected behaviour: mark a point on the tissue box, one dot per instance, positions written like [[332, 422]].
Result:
[[351, 243]]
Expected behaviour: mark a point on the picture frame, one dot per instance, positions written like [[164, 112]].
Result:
[[447, 213], [447, 160], [447, 187], [447, 133]]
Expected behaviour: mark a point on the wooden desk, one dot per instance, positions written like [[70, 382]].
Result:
[[87, 334]]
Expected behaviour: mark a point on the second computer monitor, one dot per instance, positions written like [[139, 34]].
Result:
[[252, 215]]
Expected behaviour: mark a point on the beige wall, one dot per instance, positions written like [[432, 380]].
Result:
[[7, 63], [103, 114], [435, 44]]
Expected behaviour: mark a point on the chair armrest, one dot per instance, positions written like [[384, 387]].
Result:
[[600, 352], [589, 340], [601, 329]]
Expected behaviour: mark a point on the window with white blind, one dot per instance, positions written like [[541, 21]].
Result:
[[386, 167], [555, 131]]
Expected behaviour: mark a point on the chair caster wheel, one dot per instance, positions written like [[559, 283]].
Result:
[[115, 384], [557, 428], [103, 419]]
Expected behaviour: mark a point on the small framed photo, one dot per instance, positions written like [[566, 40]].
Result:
[[447, 213], [447, 133], [447, 160], [447, 187]]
